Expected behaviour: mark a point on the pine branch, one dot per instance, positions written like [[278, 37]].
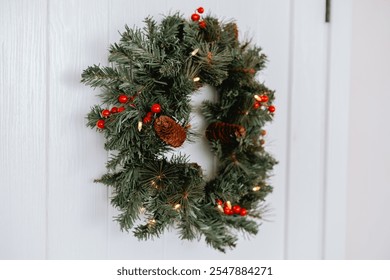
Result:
[[99, 76]]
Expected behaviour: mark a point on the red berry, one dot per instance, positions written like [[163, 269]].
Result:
[[123, 98], [236, 209], [264, 98], [114, 110], [149, 114], [256, 105], [271, 108], [147, 120], [105, 113], [228, 211], [219, 202], [100, 124], [121, 109], [202, 24], [243, 212], [200, 10], [156, 108], [195, 17]]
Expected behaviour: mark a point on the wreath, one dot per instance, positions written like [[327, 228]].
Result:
[[145, 114]]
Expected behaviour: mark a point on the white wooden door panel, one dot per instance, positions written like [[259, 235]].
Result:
[[50, 207], [23, 129], [77, 209], [335, 193], [307, 99]]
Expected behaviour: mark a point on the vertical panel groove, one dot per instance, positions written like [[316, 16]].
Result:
[[47, 119], [288, 133], [326, 137], [337, 141]]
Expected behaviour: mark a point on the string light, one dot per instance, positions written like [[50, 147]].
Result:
[[258, 98], [139, 125], [219, 207], [154, 184], [229, 205], [194, 52], [152, 222], [196, 79], [256, 189], [177, 206]]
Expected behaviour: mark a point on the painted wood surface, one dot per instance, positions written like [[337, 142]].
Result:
[[50, 208], [23, 90], [306, 138], [77, 208]]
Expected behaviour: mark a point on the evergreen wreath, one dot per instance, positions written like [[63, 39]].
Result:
[[145, 113]]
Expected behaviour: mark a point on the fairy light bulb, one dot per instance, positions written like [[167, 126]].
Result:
[[256, 189], [228, 204], [258, 98], [194, 52]]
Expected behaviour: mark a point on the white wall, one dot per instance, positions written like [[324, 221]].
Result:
[[50, 208], [368, 227]]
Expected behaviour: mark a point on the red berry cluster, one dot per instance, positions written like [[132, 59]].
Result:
[[106, 113], [196, 17], [259, 100], [154, 109], [123, 99], [229, 210]]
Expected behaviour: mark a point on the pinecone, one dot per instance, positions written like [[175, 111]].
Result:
[[227, 133], [169, 131], [232, 29]]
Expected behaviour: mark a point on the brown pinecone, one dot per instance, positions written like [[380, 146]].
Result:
[[232, 30], [227, 133], [169, 131]]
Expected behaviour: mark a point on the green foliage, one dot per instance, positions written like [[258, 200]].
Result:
[[165, 63]]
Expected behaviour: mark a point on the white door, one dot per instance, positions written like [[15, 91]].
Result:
[[50, 207]]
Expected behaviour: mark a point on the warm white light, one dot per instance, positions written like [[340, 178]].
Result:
[[220, 208], [256, 189], [177, 206], [139, 126], [196, 79], [258, 98], [194, 52], [229, 205]]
